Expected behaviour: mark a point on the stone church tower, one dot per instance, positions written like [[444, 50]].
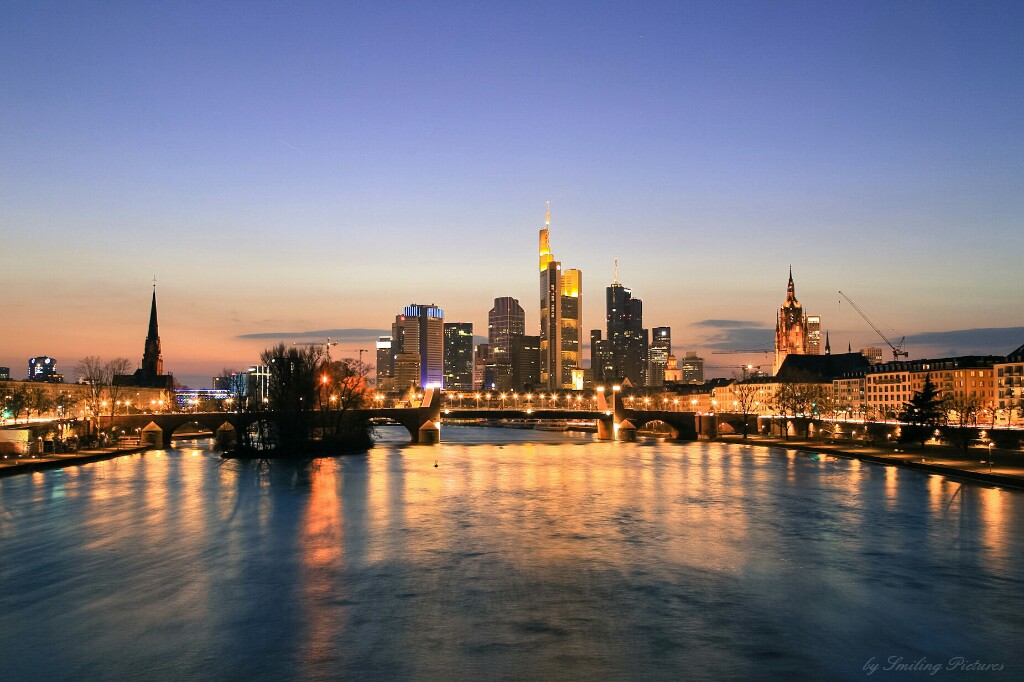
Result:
[[791, 336]]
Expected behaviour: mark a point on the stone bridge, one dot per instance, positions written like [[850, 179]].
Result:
[[423, 423]]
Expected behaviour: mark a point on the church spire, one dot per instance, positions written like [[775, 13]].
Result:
[[790, 289], [828, 346], [152, 361]]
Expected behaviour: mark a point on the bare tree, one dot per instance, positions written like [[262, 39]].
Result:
[[38, 401], [91, 372], [962, 416], [746, 398]]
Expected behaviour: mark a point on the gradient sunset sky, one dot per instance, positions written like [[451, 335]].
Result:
[[296, 170]]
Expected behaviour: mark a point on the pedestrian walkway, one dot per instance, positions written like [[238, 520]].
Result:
[[21, 464], [995, 466]]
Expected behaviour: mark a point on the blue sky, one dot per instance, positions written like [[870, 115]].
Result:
[[318, 166]]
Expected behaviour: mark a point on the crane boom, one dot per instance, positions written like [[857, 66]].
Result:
[[897, 349]]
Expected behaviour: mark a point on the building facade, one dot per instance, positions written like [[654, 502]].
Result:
[[417, 338], [628, 338], [458, 356], [561, 307], [658, 355]]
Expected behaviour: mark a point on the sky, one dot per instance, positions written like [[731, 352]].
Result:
[[292, 171]]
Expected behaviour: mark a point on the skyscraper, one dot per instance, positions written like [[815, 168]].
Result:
[[791, 328], [657, 356], [628, 338], [417, 336], [458, 356], [814, 335], [602, 359], [505, 320], [561, 307], [385, 364]]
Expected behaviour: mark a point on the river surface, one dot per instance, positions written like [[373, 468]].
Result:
[[521, 555]]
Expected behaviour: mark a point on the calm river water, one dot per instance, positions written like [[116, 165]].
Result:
[[560, 558]]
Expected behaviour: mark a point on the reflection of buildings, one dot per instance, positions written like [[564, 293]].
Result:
[[458, 356], [151, 373], [417, 344], [561, 303]]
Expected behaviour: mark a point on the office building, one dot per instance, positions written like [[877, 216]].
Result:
[[44, 368], [814, 346], [628, 338], [873, 354], [691, 368], [505, 320], [525, 352], [417, 343], [458, 356], [658, 355], [561, 306], [385, 365]]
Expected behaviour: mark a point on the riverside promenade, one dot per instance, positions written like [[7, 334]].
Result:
[[11, 465], [994, 466]]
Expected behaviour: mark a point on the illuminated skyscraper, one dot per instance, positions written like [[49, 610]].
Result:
[[628, 338], [561, 307], [814, 335], [658, 355], [505, 320], [385, 364], [418, 335], [458, 356]]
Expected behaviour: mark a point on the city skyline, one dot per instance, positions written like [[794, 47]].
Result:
[[305, 172]]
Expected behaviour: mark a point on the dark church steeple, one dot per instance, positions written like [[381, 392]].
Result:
[[152, 360]]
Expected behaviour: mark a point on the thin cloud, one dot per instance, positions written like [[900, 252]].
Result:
[[356, 333], [982, 341], [735, 335], [728, 324]]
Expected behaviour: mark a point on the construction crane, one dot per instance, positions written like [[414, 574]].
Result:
[[897, 349], [357, 350], [326, 345]]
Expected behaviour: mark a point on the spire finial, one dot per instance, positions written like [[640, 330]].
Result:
[[154, 282], [547, 215]]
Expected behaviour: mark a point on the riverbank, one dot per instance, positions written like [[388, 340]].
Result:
[[997, 467], [12, 464]]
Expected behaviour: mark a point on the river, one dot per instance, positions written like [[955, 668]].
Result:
[[520, 555]]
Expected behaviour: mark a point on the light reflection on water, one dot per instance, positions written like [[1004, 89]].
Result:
[[561, 558]]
